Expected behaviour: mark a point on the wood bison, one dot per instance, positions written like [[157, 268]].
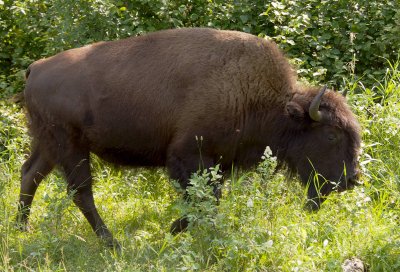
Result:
[[142, 101]]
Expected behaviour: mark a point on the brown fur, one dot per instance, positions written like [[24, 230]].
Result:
[[143, 101]]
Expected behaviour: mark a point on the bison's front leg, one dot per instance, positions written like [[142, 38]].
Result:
[[180, 167], [76, 167]]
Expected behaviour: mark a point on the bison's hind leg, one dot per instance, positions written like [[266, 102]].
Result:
[[76, 166], [33, 171]]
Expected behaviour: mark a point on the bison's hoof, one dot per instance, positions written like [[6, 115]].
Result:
[[112, 244], [179, 225], [312, 205]]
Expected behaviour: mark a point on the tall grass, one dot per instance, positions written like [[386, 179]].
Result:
[[260, 224]]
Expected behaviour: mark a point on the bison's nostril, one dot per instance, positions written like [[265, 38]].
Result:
[[354, 177]]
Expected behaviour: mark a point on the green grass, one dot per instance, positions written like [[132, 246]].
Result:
[[260, 224]]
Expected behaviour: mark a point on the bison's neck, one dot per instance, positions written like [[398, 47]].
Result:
[[281, 132], [262, 128]]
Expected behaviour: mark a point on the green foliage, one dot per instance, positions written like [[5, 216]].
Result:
[[325, 39], [201, 209], [260, 224], [21, 41], [11, 131], [381, 116], [329, 39]]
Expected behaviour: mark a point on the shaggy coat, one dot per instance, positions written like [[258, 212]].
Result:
[[163, 98]]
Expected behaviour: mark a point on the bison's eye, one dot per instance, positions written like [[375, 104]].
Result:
[[332, 137]]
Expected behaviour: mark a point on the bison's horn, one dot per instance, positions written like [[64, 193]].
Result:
[[313, 111]]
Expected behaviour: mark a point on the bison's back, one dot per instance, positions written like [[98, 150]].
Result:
[[136, 95]]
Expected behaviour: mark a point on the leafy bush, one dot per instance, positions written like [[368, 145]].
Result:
[[260, 223], [327, 40], [332, 39]]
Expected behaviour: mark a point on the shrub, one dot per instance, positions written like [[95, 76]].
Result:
[[327, 40]]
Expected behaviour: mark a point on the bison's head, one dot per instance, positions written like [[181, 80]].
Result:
[[323, 143]]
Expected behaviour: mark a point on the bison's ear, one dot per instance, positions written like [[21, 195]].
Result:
[[294, 110]]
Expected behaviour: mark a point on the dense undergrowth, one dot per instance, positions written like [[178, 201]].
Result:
[[326, 39], [260, 224]]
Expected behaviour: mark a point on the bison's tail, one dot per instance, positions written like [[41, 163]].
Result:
[[19, 98], [28, 71]]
